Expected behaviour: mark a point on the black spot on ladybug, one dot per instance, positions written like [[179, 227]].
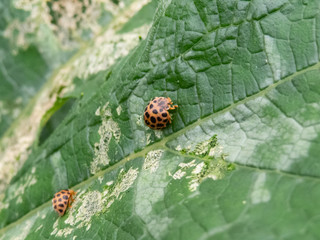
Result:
[[161, 110], [165, 120], [59, 200], [61, 205], [65, 203], [54, 201], [60, 210], [55, 206], [155, 101], [153, 120], [153, 126], [147, 115], [58, 195], [155, 111], [151, 106], [160, 125], [164, 114], [63, 192], [159, 119], [65, 197], [147, 122]]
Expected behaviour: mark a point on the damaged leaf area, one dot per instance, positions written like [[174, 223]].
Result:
[[238, 158], [15, 145]]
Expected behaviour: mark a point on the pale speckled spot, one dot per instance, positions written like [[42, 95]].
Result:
[[109, 183], [158, 133], [119, 109], [188, 165], [55, 229], [64, 232], [216, 151], [38, 228], [198, 168], [148, 137], [100, 179], [178, 174], [107, 130], [194, 184], [140, 121], [152, 159], [178, 148], [124, 183]]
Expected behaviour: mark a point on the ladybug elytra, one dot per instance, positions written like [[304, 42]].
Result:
[[62, 200], [156, 115]]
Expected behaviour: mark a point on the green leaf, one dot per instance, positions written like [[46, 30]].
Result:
[[238, 161]]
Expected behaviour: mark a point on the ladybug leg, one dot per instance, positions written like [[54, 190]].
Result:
[[71, 199], [169, 118], [173, 107]]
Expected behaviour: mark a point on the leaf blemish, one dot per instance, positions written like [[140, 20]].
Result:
[[89, 204], [212, 164], [152, 159], [107, 130], [260, 193]]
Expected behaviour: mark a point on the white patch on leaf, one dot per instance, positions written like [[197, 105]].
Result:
[[152, 159], [119, 109], [124, 183], [107, 130], [178, 174], [64, 232], [213, 169], [260, 193], [38, 228], [274, 56]]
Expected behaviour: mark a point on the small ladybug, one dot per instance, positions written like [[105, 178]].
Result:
[[62, 200], [156, 115]]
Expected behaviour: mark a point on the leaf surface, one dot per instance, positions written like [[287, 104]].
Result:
[[239, 158]]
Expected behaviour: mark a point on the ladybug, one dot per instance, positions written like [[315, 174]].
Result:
[[156, 115], [62, 200]]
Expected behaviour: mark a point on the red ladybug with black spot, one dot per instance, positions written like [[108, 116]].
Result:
[[62, 200], [156, 115]]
